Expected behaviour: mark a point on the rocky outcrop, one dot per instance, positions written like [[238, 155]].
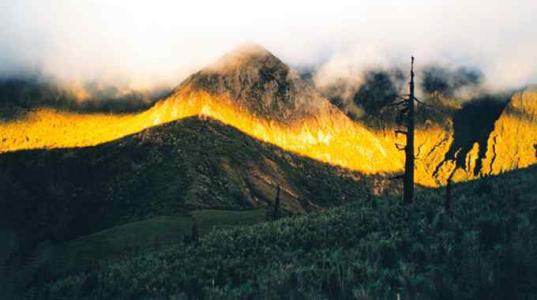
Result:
[[491, 137], [513, 143], [254, 79]]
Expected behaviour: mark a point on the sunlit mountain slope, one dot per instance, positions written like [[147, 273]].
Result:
[[249, 89], [255, 92], [513, 143], [494, 137]]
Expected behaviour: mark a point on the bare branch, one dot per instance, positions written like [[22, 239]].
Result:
[[397, 103], [400, 147], [421, 102]]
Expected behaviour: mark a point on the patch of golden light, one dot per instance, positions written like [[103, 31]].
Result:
[[513, 142], [330, 137]]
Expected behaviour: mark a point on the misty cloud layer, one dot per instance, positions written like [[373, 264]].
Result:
[[149, 44]]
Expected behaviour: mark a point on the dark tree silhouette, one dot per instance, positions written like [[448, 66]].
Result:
[[435, 80], [409, 148], [406, 117], [276, 212], [444, 81], [377, 91]]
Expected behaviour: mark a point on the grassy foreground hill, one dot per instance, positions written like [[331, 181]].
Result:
[[486, 248], [65, 209]]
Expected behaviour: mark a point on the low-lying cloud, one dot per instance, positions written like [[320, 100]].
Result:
[[142, 45]]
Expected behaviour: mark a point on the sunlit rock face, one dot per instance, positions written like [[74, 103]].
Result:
[[513, 143], [259, 82], [253, 91], [502, 141]]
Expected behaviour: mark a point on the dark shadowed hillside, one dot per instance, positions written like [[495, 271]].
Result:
[[55, 196], [484, 247]]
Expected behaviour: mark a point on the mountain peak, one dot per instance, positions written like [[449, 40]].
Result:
[[247, 58], [255, 79], [244, 54]]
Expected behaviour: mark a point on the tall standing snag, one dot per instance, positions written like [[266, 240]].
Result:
[[276, 212], [408, 194], [406, 117]]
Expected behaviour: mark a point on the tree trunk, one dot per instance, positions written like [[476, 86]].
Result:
[[408, 194], [276, 213]]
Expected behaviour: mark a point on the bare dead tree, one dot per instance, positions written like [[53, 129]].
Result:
[[276, 212], [448, 202], [409, 150], [406, 117]]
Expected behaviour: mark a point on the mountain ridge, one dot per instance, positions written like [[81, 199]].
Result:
[[255, 92]]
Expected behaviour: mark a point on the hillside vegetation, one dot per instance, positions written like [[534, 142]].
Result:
[[52, 197], [484, 248]]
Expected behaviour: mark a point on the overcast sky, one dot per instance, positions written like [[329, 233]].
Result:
[[144, 43]]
